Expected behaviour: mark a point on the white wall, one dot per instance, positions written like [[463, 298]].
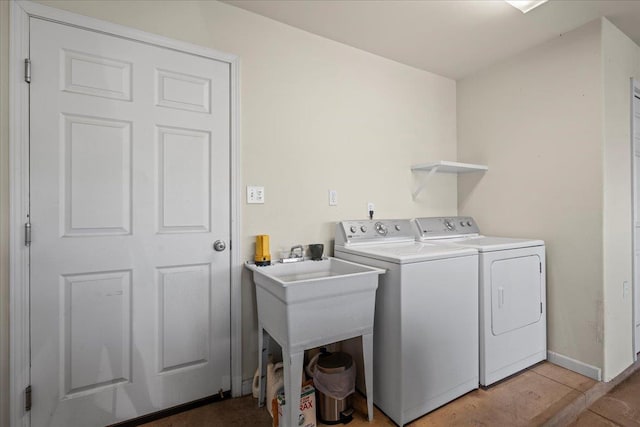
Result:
[[316, 115], [536, 121], [621, 61]]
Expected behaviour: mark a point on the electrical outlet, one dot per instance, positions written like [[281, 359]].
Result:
[[255, 195], [370, 209], [333, 198]]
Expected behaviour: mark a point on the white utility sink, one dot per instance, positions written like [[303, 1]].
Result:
[[307, 304], [305, 280], [303, 303]]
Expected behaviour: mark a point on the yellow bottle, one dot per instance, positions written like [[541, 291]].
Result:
[[263, 256]]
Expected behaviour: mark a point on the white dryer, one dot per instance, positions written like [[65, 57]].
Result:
[[513, 324], [426, 317]]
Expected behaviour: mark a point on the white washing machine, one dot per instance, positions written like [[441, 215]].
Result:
[[426, 317], [513, 323]]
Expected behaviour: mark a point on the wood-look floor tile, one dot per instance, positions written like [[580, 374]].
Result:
[[529, 398], [622, 404], [574, 400], [360, 417], [618, 410], [238, 412], [522, 400], [527, 395], [564, 376], [591, 419], [472, 409]]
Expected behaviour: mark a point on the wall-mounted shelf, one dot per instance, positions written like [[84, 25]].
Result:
[[444, 166], [449, 167]]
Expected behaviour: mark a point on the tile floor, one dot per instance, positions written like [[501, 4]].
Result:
[[533, 397], [619, 407]]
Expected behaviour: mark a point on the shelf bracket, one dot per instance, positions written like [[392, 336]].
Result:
[[423, 185]]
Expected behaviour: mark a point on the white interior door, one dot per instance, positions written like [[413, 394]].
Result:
[[635, 125], [129, 169]]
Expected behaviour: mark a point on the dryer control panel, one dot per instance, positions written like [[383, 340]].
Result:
[[369, 231], [442, 227]]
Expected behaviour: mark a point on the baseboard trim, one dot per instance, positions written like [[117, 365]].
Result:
[[575, 365]]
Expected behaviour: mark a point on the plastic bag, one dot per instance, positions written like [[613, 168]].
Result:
[[338, 385]]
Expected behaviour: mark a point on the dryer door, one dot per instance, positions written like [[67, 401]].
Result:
[[516, 293]]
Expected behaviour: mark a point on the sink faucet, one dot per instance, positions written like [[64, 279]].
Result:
[[293, 254]]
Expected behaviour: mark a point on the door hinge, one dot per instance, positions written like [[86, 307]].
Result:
[[27, 70], [27, 234], [27, 399]]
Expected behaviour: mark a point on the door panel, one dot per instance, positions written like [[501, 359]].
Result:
[[184, 194], [635, 170], [636, 178], [97, 176], [636, 129], [515, 293], [129, 189], [184, 336], [637, 294], [96, 301]]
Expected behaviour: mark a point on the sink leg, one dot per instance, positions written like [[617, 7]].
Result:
[[367, 352], [263, 355], [292, 386]]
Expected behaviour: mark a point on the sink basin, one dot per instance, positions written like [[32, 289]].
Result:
[[311, 279], [311, 303]]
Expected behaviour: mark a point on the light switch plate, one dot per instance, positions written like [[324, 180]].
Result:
[[255, 195], [333, 198]]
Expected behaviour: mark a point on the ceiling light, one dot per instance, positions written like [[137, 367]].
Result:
[[525, 5]]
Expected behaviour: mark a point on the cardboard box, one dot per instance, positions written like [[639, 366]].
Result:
[[307, 407]]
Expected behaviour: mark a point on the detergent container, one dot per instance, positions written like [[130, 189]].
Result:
[[275, 381]]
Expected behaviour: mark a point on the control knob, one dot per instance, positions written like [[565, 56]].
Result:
[[381, 228], [353, 229], [449, 224], [363, 228], [397, 227]]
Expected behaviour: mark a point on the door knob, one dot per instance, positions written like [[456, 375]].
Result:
[[219, 245]]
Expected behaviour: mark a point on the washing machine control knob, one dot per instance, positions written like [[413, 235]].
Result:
[[397, 227], [469, 223], [353, 229], [449, 224], [363, 228], [381, 228], [462, 223]]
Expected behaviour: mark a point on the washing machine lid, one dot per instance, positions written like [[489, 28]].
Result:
[[405, 253], [489, 244]]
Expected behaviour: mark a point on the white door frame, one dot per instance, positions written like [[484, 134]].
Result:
[[21, 11]]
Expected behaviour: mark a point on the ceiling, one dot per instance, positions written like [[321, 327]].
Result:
[[453, 38]]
